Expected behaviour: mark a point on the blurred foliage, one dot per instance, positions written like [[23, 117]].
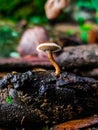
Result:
[[16, 10], [22, 9], [33, 10], [8, 40], [86, 4]]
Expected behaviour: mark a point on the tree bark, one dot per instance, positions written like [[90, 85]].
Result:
[[43, 98], [88, 73], [23, 63], [79, 57]]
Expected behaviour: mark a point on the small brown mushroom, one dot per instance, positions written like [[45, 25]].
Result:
[[49, 48], [54, 7]]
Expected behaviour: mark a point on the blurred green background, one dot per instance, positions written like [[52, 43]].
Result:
[[33, 10], [13, 11]]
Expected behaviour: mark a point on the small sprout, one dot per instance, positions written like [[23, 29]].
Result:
[[49, 48], [9, 99]]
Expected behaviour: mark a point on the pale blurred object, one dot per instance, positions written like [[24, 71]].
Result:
[[14, 55], [77, 14], [30, 39], [54, 7]]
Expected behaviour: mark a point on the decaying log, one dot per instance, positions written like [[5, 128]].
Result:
[[23, 64], [82, 56], [79, 56], [78, 124], [43, 98], [88, 73]]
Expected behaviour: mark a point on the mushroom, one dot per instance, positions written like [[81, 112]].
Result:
[[49, 48], [54, 7]]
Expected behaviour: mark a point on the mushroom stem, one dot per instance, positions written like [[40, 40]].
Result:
[[53, 62]]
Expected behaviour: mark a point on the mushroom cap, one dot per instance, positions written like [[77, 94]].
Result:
[[53, 47]]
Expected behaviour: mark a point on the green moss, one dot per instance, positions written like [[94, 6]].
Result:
[[9, 99]]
